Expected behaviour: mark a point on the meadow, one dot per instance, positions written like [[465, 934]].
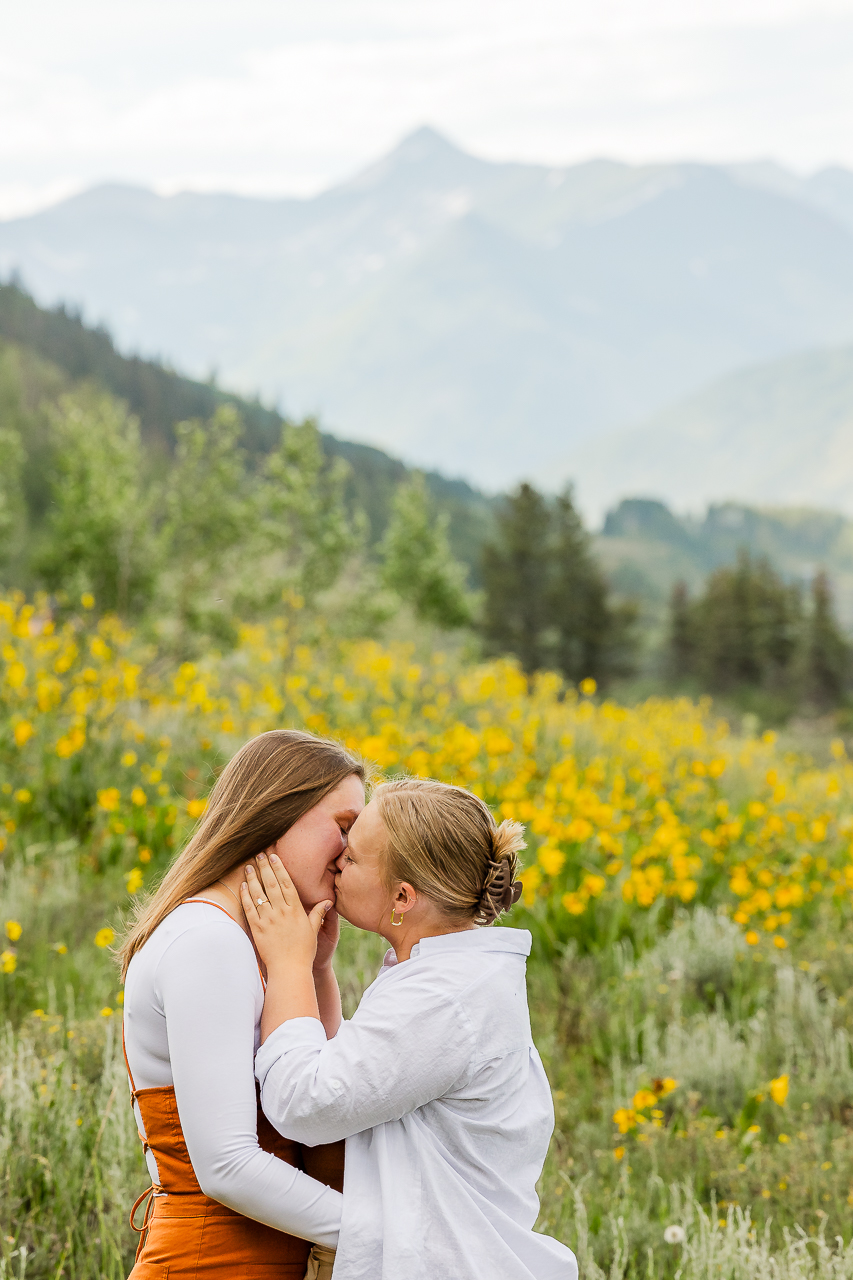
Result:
[[689, 887]]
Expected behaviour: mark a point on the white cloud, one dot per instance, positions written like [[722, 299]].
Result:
[[274, 96]]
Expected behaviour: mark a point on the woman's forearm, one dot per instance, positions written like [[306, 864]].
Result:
[[290, 993], [328, 999], [297, 992]]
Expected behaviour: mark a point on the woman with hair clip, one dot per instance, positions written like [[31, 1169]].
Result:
[[435, 1083], [229, 1197]]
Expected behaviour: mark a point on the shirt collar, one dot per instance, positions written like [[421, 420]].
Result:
[[501, 939]]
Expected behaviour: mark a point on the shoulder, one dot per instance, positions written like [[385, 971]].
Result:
[[486, 976], [199, 937], [466, 960]]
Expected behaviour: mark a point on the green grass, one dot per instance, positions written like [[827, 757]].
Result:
[[729, 1019], [695, 1003]]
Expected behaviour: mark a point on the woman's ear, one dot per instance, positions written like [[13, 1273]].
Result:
[[405, 898]]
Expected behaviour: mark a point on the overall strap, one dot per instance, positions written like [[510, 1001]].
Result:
[[208, 902], [127, 1064], [148, 1195]]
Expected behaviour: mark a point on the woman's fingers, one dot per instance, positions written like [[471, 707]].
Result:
[[317, 915], [282, 875], [273, 890], [249, 905]]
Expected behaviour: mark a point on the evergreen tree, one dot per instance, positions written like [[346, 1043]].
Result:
[[828, 652], [516, 578], [546, 599], [749, 630], [682, 633], [416, 560], [590, 636], [748, 625]]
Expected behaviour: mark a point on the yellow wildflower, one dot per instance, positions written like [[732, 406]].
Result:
[[779, 1090], [625, 1119], [133, 879]]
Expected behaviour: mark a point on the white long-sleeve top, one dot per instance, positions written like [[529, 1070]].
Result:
[[192, 1011], [441, 1095]]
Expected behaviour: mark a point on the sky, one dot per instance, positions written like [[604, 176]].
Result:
[[274, 97]]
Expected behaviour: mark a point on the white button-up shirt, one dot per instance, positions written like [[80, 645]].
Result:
[[441, 1095]]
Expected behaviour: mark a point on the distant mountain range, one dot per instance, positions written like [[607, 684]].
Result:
[[491, 320], [646, 549], [779, 434]]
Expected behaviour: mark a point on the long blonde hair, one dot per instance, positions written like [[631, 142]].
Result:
[[445, 843], [268, 785]]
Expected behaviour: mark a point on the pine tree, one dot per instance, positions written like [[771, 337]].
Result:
[[546, 598], [588, 633], [682, 633], [747, 626], [828, 652], [516, 578]]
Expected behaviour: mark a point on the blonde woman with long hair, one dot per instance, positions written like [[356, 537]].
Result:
[[435, 1083], [229, 1197]]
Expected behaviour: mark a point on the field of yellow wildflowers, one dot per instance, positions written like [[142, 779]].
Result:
[[690, 892]]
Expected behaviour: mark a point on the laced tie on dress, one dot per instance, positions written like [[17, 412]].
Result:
[[148, 1197]]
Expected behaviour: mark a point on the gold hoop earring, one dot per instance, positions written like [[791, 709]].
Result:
[[396, 923]]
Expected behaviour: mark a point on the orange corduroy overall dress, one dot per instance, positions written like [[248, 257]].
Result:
[[185, 1235]]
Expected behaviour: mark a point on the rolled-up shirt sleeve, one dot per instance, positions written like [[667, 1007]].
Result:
[[206, 985], [402, 1049]]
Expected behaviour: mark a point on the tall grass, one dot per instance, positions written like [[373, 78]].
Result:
[[749, 1204], [690, 893]]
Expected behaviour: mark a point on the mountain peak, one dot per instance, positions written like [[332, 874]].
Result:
[[435, 156], [427, 144]]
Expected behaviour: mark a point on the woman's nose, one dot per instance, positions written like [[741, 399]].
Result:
[[339, 861]]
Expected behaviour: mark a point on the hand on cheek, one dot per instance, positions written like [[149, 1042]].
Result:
[[283, 933]]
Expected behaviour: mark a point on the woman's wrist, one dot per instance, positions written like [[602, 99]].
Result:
[[281, 966]]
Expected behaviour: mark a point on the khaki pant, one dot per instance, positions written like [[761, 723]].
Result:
[[320, 1263]]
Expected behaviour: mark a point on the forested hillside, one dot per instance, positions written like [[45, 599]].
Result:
[[123, 481], [71, 351]]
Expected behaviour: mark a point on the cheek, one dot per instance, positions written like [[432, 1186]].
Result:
[[310, 850]]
